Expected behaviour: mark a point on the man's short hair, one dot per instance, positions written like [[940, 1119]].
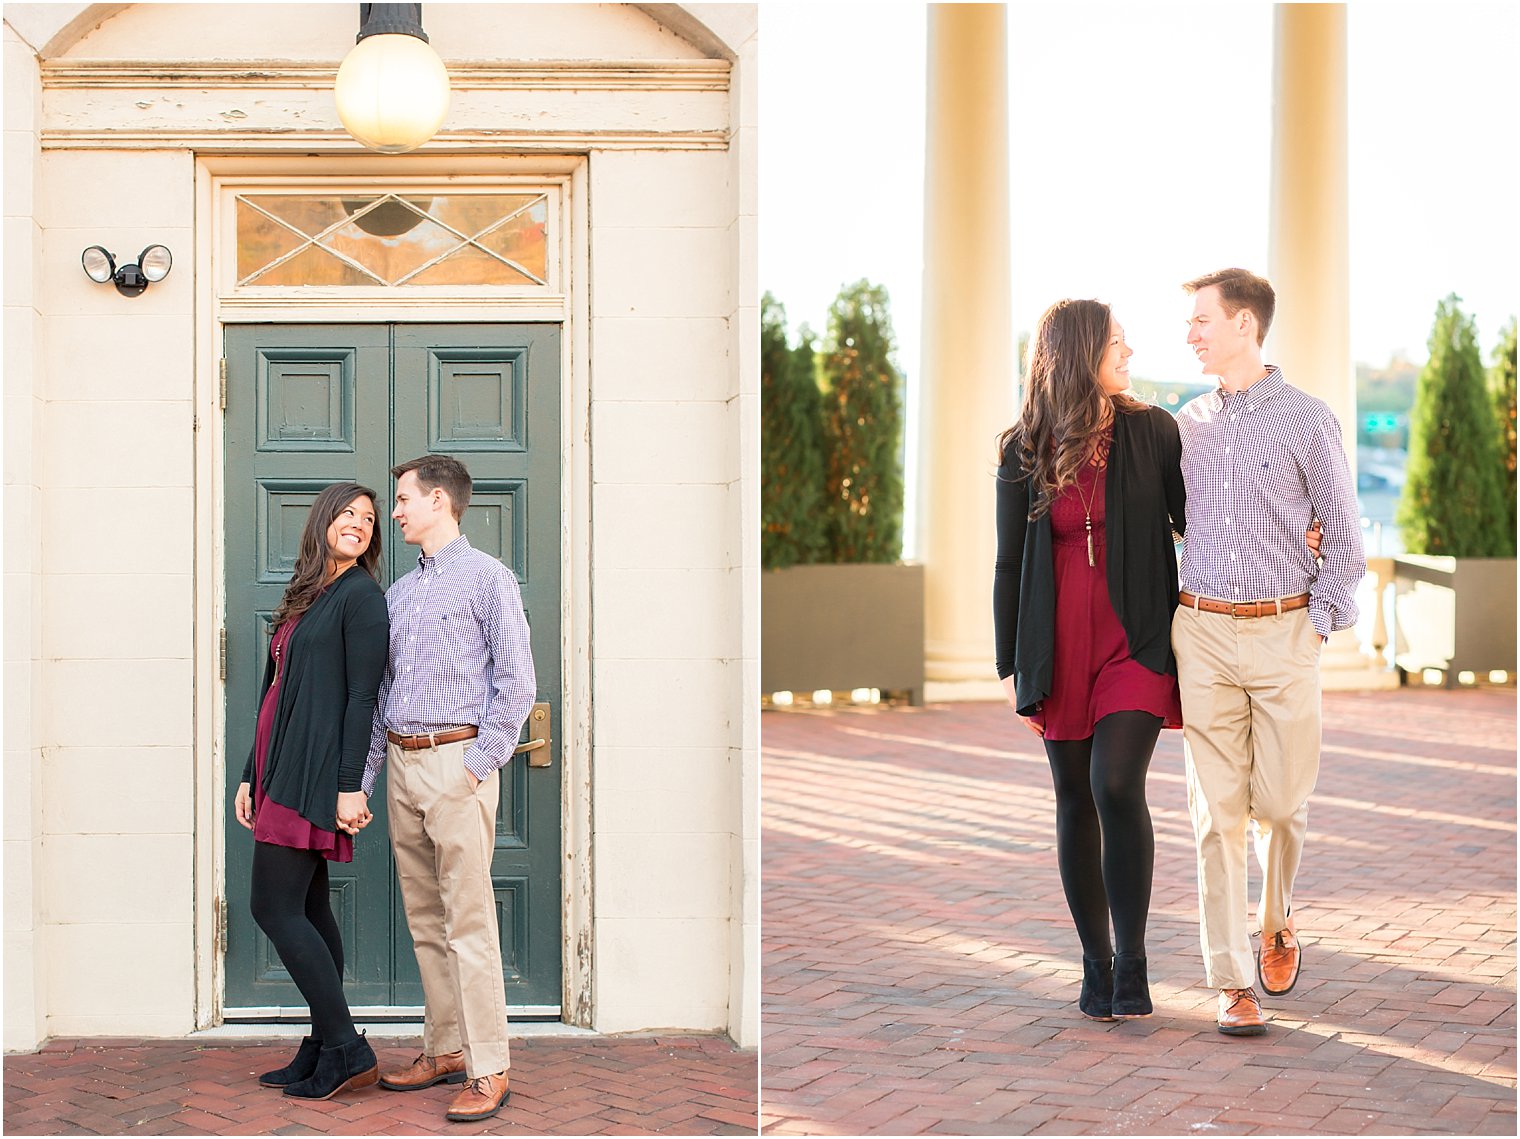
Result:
[[440, 471], [1238, 289]]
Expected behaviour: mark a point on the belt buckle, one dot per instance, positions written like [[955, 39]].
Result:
[[1235, 610]]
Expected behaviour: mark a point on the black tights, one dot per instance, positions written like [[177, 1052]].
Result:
[[1104, 842], [289, 900]]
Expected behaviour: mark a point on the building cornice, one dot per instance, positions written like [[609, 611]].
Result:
[[238, 75], [339, 142], [252, 107]]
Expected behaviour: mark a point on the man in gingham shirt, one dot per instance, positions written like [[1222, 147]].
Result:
[[457, 688], [1261, 460]]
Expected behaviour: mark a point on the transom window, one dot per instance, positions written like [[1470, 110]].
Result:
[[367, 239]]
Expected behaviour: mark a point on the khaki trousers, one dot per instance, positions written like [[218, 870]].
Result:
[[1251, 734], [443, 831]]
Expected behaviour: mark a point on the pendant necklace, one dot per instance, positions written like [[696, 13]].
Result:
[[1087, 505]]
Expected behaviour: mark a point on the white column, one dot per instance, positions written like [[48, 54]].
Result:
[[967, 367], [1309, 258]]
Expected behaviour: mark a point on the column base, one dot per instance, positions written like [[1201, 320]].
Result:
[[959, 672], [962, 691], [1345, 666]]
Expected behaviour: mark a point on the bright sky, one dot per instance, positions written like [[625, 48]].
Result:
[[1116, 191]]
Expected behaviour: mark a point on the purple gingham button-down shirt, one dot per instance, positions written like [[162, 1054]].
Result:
[[1259, 466], [459, 655]]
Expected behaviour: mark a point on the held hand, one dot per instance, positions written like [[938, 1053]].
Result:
[[1013, 702], [352, 809], [1313, 535], [243, 806]]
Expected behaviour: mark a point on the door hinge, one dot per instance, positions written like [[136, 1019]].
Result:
[[221, 653], [221, 383], [219, 935]]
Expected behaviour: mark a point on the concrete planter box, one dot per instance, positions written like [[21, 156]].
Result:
[[1454, 614], [843, 627]]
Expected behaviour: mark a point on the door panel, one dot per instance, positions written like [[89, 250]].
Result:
[[314, 404], [466, 390]]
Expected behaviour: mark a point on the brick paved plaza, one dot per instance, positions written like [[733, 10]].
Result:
[[921, 970], [561, 1085]]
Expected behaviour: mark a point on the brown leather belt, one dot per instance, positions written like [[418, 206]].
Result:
[[1269, 608], [432, 739]]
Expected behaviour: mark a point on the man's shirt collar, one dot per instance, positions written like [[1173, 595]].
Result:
[[446, 555], [1268, 385]]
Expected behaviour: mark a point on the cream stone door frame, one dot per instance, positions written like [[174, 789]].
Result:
[[569, 306]]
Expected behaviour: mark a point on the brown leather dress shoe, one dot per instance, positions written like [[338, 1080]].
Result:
[[482, 1098], [1240, 1013], [1277, 961], [425, 1071]]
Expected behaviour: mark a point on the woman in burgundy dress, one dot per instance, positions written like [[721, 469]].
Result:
[[300, 794], [1089, 495]]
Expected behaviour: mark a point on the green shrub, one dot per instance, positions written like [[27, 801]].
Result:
[[794, 528], [1453, 502], [1501, 385], [863, 428]]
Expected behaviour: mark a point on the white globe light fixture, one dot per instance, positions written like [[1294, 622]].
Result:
[[392, 89]]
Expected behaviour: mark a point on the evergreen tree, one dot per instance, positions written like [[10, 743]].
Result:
[[793, 528], [863, 423], [1453, 502], [1501, 385]]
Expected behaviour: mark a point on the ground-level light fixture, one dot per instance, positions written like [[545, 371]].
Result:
[[153, 265], [392, 89]]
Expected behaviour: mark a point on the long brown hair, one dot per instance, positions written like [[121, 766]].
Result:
[[311, 562], [1064, 408]]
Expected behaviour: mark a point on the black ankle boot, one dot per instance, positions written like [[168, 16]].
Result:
[[1132, 992], [304, 1064], [344, 1067], [1097, 988]]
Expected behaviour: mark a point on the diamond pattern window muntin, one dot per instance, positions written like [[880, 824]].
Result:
[[445, 239]]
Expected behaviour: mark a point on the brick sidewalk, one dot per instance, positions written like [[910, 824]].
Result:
[[584, 1085], [921, 970]]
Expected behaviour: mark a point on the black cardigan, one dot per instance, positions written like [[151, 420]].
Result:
[[1144, 502], [326, 710]]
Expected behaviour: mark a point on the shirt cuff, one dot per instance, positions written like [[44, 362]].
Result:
[[1319, 617], [371, 776], [478, 763]]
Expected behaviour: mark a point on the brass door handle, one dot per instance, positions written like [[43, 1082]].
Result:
[[536, 746]]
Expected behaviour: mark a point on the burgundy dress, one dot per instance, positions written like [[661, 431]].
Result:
[[273, 822], [1092, 673]]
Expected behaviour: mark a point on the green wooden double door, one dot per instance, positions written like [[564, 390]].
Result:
[[309, 405]]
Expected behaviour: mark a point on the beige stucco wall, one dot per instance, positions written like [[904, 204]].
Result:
[[25, 971], [675, 452], [738, 27], [105, 784], [115, 711], [663, 455]]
